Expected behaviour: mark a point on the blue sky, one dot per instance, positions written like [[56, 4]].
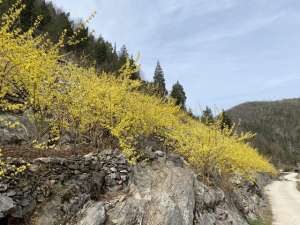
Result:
[[224, 52]]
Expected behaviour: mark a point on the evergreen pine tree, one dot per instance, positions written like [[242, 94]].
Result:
[[123, 56], [159, 81], [101, 52], [224, 120], [83, 36], [207, 116], [27, 17], [136, 75], [45, 12], [178, 94], [192, 115]]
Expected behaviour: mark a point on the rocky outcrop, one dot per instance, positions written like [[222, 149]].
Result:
[[165, 194], [53, 190], [248, 197], [102, 189], [15, 129], [6, 205], [93, 213]]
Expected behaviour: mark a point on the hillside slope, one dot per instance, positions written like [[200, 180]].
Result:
[[89, 105], [277, 125]]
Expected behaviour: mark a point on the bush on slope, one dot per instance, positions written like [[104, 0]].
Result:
[[69, 97]]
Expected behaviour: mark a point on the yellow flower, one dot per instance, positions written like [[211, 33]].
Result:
[[69, 97]]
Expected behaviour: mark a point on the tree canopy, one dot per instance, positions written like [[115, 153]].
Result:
[[224, 120], [207, 116], [159, 80], [178, 94]]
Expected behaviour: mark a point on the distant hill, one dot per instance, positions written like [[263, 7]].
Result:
[[277, 125]]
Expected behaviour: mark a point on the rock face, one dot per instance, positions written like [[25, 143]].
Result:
[[15, 129], [93, 213], [102, 189], [6, 205], [53, 190], [164, 194]]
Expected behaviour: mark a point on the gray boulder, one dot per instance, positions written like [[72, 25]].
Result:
[[15, 129], [159, 195], [166, 194], [7, 205], [93, 213]]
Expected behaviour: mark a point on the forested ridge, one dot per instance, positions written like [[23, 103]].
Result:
[[276, 125]]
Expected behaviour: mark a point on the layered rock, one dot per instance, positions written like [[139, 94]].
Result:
[[165, 194], [102, 189], [53, 190]]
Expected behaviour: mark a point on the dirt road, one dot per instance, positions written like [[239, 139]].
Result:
[[285, 200]]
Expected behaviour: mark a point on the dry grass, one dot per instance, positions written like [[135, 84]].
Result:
[[266, 216], [267, 213]]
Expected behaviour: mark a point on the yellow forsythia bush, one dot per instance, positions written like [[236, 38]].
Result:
[[10, 170], [72, 97]]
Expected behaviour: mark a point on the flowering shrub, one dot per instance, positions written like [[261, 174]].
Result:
[[70, 97], [11, 170]]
